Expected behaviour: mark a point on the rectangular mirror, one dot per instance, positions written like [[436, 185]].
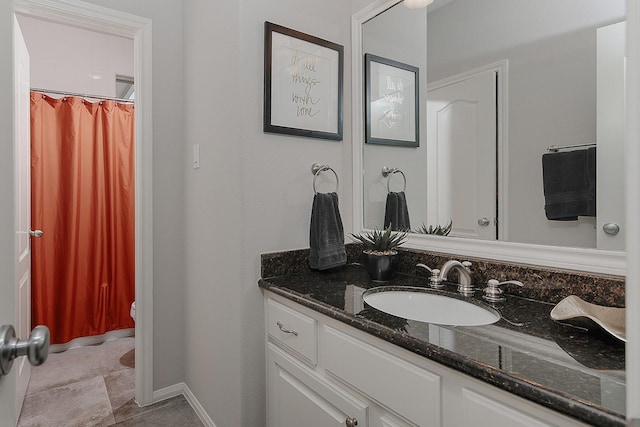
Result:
[[550, 74]]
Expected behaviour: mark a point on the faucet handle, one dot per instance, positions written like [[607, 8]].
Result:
[[467, 265], [494, 293], [435, 281], [425, 266]]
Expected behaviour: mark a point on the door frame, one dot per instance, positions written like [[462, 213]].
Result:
[[632, 174], [502, 131], [97, 18]]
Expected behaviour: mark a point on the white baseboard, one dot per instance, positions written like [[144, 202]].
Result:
[[183, 389], [197, 407], [168, 392]]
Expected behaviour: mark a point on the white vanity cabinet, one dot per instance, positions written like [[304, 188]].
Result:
[[298, 396], [322, 372]]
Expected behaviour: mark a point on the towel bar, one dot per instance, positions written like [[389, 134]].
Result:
[[556, 148], [388, 172], [316, 169]]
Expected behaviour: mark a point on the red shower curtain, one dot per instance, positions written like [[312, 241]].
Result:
[[82, 197]]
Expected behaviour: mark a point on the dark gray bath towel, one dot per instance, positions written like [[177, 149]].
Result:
[[396, 212], [569, 184], [326, 236]]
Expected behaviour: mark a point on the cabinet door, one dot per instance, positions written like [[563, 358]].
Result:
[[480, 410], [401, 387], [300, 397]]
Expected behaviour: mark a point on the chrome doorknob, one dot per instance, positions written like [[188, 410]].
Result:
[[611, 228], [36, 233], [36, 348], [351, 422], [484, 221]]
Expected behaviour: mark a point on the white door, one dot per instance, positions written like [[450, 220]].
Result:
[[610, 208], [461, 150], [16, 305], [22, 151]]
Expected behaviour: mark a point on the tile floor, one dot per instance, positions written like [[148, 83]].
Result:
[[94, 386]]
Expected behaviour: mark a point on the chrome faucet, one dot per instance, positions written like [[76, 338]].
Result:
[[465, 285]]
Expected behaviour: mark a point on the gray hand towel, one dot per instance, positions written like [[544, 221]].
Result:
[[396, 212], [326, 236], [569, 184]]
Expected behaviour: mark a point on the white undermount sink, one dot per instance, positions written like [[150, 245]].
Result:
[[419, 304]]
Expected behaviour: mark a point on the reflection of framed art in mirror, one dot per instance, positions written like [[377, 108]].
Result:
[[391, 102]]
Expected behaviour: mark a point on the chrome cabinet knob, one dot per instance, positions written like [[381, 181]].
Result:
[[351, 422], [36, 348], [611, 228], [36, 233], [484, 221]]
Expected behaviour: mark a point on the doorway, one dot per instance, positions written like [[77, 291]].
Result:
[[82, 184], [84, 15], [465, 125]]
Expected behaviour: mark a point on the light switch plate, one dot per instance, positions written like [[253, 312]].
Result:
[[196, 156]]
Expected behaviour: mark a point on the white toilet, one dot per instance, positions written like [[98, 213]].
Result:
[[132, 312]]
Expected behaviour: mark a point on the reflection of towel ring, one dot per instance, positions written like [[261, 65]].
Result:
[[386, 172], [316, 168]]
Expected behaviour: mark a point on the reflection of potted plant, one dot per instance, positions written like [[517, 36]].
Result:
[[438, 230], [379, 248]]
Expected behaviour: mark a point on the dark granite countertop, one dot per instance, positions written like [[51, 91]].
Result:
[[572, 371]]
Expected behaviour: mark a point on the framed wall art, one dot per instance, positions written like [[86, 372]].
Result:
[[303, 84], [391, 102]]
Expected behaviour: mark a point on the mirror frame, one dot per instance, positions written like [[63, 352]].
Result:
[[565, 258]]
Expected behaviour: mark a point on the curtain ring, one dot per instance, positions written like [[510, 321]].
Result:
[[316, 169], [388, 172]]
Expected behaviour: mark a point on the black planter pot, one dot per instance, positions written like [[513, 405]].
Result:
[[380, 267]]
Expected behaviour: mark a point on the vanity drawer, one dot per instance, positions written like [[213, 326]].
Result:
[[407, 389], [293, 330]]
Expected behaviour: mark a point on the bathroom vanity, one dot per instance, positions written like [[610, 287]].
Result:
[[332, 361]]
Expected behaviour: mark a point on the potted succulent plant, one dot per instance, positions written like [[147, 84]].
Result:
[[379, 249]]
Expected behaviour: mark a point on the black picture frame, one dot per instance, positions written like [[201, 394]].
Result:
[[303, 84], [392, 112]]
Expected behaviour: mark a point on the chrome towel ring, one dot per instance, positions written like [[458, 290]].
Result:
[[316, 169], [388, 172]]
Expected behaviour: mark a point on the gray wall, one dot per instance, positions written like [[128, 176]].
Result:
[[252, 193], [213, 193], [550, 46]]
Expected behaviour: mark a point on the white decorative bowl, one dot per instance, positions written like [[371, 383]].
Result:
[[578, 312]]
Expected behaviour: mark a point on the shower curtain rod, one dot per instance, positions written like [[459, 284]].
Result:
[[84, 95]]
